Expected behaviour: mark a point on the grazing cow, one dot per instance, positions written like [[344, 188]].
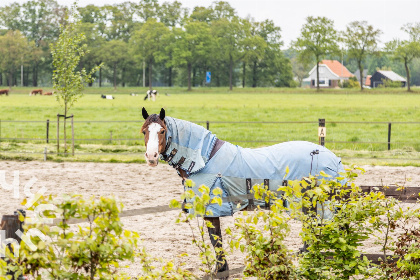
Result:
[[107, 96], [35, 92], [4, 91], [48, 93], [151, 94], [133, 94]]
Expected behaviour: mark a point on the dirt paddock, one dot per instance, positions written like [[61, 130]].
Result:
[[138, 186]]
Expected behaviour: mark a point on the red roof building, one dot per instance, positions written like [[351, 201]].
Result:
[[331, 73], [338, 68]]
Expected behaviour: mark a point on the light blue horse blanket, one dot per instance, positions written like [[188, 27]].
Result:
[[189, 147]]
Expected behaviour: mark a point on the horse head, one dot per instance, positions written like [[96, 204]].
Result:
[[154, 130]]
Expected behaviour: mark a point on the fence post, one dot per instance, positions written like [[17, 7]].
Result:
[[58, 133], [48, 130], [208, 125], [72, 134], [389, 136], [322, 132], [110, 136], [45, 154]]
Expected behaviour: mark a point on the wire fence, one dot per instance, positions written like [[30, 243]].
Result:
[[353, 135]]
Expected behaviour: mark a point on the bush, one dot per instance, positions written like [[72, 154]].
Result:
[[92, 251], [332, 242], [267, 256], [352, 82], [390, 84]]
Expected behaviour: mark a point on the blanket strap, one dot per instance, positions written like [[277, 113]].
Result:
[[248, 191], [171, 156], [180, 162], [267, 185]]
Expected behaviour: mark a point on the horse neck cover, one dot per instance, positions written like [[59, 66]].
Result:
[[192, 142]]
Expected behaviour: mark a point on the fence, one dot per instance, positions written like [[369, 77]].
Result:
[[355, 135], [11, 223]]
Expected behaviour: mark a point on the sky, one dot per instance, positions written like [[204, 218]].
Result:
[[387, 15]]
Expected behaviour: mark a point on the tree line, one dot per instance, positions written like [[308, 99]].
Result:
[[146, 43]]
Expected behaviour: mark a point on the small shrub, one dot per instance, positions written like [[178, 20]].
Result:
[[352, 82], [267, 255], [197, 205]]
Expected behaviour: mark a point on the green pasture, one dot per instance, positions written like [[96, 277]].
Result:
[[220, 105]]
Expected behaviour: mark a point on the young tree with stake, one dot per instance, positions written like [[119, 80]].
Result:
[[68, 81]]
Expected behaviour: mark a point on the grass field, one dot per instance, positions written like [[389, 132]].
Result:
[[220, 105]]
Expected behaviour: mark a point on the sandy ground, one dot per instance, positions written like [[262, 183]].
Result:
[[138, 186]]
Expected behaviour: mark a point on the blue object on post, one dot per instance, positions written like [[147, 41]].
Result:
[[208, 77]]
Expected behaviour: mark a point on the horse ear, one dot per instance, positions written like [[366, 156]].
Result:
[[162, 114], [144, 113]]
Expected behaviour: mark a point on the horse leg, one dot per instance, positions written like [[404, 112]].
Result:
[[222, 264]]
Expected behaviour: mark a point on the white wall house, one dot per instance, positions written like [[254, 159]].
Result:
[[331, 73]]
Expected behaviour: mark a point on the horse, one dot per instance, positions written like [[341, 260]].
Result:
[[197, 154], [48, 93], [151, 94], [4, 91], [35, 92]]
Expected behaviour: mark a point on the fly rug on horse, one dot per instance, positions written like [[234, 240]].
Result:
[[198, 155]]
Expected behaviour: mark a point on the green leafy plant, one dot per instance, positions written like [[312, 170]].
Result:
[[352, 82], [267, 256], [405, 263], [336, 220], [196, 205], [386, 83], [90, 251], [167, 271]]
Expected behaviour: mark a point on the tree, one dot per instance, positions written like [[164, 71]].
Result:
[[360, 39], [95, 43], [120, 21], [147, 9], [192, 46], [318, 38], [39, 21], [13, 49], [67, 80], [172, 14], [115, 53], [254, 47], [149, 42], [228, 36], [406, 50]]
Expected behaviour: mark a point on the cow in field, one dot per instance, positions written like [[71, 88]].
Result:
[[107, 96], [48, 93], [35, 92], [4, 91], [151, 94]]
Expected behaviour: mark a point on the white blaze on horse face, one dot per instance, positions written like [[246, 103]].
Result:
[[152, 149]]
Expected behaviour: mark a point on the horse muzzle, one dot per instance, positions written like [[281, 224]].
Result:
[[152, 163]]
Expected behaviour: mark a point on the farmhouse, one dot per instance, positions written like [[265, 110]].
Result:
[[331, 73], [380, 76]]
